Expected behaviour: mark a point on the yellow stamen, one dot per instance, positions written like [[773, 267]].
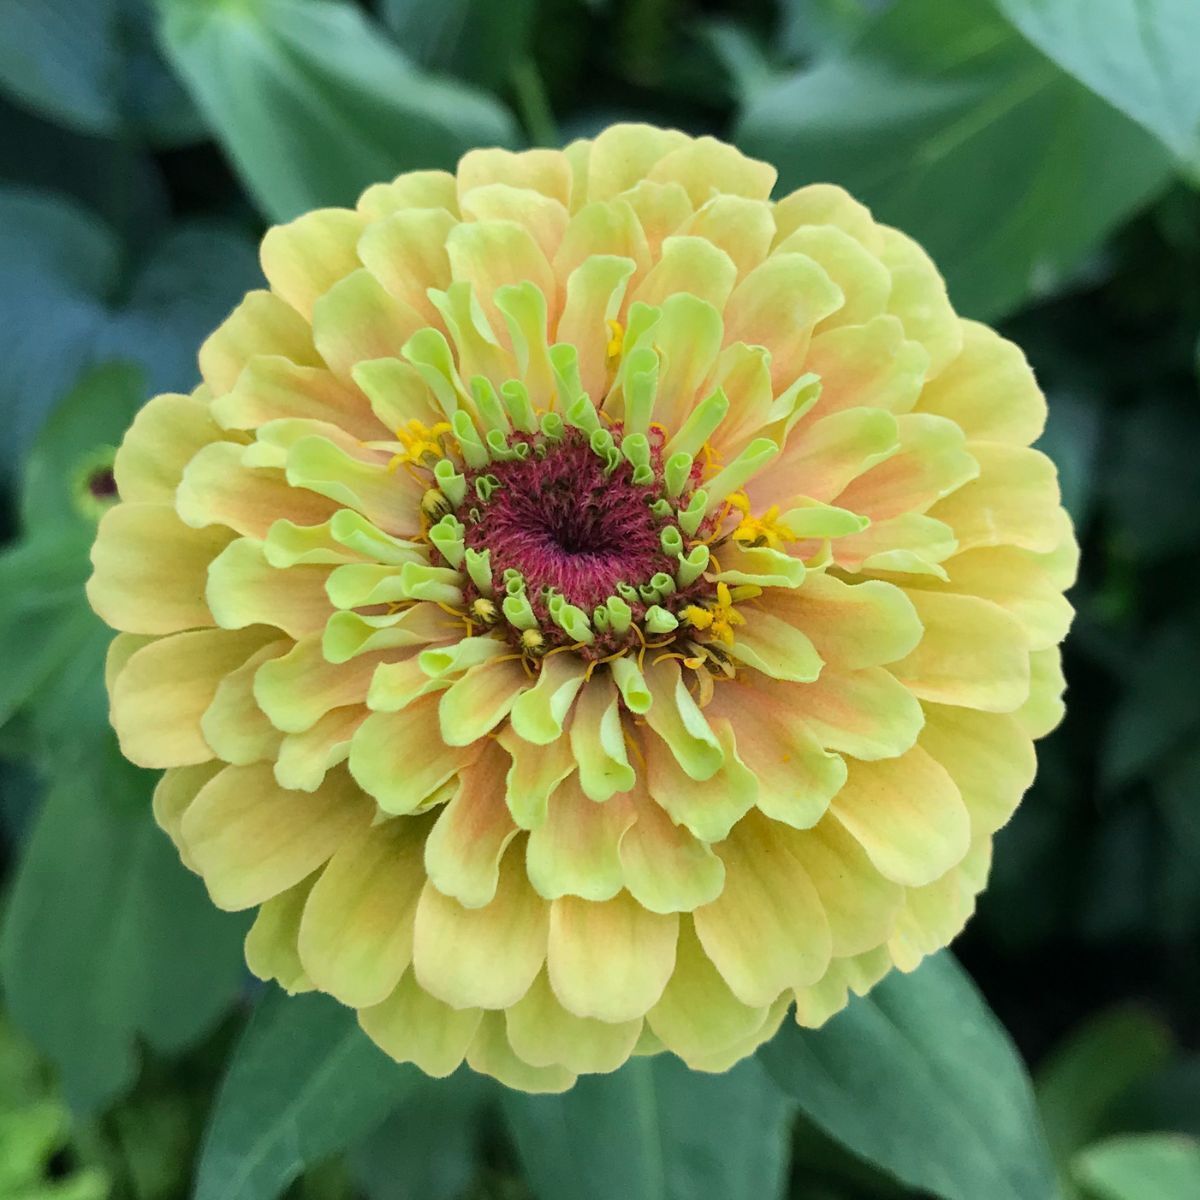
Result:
[[616, 339], [764, 530], [421, 442]]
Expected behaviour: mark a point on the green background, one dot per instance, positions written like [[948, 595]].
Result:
[[1047, 153]]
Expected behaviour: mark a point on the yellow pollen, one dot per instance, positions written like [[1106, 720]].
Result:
[[720, 619], [764, 530], [420, 442], [616, 338]]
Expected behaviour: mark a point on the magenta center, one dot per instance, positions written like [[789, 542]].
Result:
[[565, 524]]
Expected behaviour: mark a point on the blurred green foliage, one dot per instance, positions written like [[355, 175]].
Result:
[[1047, 153]]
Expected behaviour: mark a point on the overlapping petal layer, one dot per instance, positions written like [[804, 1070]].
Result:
[[588, 607]]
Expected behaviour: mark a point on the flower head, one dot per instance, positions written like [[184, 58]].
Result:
[[588, 608]]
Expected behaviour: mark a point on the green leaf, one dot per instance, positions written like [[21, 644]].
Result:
[[477, 40], [1159, 708], [654, 1131], [93, 67], [951, 127], [429, 1148], [1072, 439], [1140, 55], [108, 939], [68, 302], [920, 1079], [312, 103], [304, 1082], [1079, 1085], [1163, 1166]]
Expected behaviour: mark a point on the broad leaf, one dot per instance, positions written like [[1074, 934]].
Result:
[[921, 1079], [93, 66], [951, 127], [312, 102], [304, 1082], [108, 939], [429, 1148], [1162, 1166], [654, 1131], [1140, 55], [67, 303]]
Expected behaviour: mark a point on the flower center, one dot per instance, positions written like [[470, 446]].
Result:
[[566, 524]]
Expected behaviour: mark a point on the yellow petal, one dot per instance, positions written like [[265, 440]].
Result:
[[357, 320], [218, 488], [412, 1026], [540, 713], [270, 947], [666, 868], [164, 435], [689, 264], [972, 654], [863, 280], [1044, 709], [767, 930], [827, 204], [1014, 502], [621, 155], [989, 390], [233, 725], [598, 741], [635, 946], [482, 957], [492, 254], [932, 462], [273, 388], [546, 172], [160, 696], [544, 218], [474, 705], [491, 1053], [989, 757], [742, 227], [535, 772], [299, 688], [304, 759], [466, 844], [919, 299], [244, 589], [676, 719], [251, 840], [545, 1034], [777, 305], [907, 814], [851, 626], [709, 807], [860, 904], [356, 934], [175, 791], [303, 259], [261, 324], [869, 713], [705, 166], [148, 593], [697, 1014], [413, 189], [574, 852], [796, 775], [406, 252], [400, 758], [776, 648]]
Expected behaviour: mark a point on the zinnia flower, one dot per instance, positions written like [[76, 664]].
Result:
[[589, 609]]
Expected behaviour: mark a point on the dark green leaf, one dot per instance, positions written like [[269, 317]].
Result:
[[654, 1131], [1072, 440], [67, 303], [1164, 1166], [1140, 55], [477, 40], [951, 127], [304, 1082], [92, 65], [108, 938], [920, 1078], [1079, 1085], [428, 1149], [312, 103]]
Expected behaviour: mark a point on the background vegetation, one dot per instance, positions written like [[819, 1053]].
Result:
[[1047, 152]]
